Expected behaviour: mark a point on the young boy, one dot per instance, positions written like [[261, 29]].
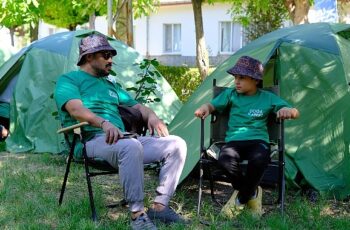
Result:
[[246, 137]]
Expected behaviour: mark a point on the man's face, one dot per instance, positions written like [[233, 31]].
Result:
[[245, 85], [101, 63]]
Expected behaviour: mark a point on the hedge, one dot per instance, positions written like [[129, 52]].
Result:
[[183, 80]]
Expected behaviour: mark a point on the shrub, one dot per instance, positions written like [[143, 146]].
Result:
[[183, 80]]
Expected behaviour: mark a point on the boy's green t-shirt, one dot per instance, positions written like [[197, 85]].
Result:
[[98, 94], [248, 114]]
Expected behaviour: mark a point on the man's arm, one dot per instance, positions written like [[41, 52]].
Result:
[[152, 120], [77, 110]]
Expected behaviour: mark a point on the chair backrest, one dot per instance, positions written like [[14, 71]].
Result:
[[219, 121]]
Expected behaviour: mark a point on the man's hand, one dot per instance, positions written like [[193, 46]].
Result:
[[287, 113], [154, 123], [112, 132], [203, 111]]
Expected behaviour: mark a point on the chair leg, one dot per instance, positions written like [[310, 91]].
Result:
[[200, 187], [211, 181], [70, 157], [91, 196], [201, 151], [282, 187], [282, 182]]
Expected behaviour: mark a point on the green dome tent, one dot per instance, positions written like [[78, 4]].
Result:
[[312, 65], [27, 81], [6, 52]]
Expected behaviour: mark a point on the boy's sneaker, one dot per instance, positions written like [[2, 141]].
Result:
[[255, 204], [142, 222], [232, 207], [167, 216]]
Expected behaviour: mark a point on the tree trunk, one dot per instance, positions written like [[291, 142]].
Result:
[[12, 35], [92, 18], [109, 17], [130, 24], [298, 10], [121, 22], [202, 58], [343, 9], [72, 27], [34, 32]]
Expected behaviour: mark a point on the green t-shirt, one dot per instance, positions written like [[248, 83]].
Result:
[[98, 94], [248, 114]]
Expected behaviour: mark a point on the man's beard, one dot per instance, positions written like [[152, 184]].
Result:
[[101, 72]]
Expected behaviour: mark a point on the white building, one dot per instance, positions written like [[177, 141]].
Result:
[[169, 35]]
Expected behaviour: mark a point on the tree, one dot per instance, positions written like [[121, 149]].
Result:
[[298, 10], [343, 10], [125, 12], [64, 13], [16, 13], [202, 57], [257, 20]]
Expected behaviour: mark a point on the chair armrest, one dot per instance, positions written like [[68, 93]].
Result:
[[72, 127]]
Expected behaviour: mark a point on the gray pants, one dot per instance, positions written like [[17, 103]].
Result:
[[129, 155]]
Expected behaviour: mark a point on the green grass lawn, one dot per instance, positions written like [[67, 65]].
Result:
[[30, 186]]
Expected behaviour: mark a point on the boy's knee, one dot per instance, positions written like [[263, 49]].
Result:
[[225, 159], [261, 160]]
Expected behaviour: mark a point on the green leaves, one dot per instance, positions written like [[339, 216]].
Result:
[[258, 17], [146, 86]]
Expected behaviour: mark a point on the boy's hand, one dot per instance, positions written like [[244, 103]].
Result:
[[202, 112], [287, 113]]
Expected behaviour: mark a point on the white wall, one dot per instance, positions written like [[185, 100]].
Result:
[[180, 14]]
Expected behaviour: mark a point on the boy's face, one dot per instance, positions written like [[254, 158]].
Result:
[[245, 85]]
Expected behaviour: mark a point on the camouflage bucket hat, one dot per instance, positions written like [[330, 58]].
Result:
[[247, 66], [92, 44]]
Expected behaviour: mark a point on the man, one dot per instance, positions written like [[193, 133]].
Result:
[[246, 136], [87, 95]]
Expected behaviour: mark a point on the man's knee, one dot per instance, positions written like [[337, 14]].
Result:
[[131, 148], [181, 147]]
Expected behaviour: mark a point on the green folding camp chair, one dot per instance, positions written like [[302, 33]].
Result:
[[274, 174], [96, 166]]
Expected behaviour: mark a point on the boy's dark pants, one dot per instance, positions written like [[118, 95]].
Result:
[[257, 152]]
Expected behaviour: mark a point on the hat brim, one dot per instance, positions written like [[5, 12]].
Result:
[[95, 50], [236, 71]]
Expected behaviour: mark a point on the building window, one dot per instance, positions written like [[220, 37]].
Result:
[[230, 37], [172, 38]]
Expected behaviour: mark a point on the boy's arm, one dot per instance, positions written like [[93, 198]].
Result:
[[204, 110], [288, 113]]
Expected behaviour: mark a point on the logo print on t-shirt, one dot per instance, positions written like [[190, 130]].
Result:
[[113, 94], [255, 113]]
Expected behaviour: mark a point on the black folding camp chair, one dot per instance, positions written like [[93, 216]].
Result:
[[95, 166], [208, 156]]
